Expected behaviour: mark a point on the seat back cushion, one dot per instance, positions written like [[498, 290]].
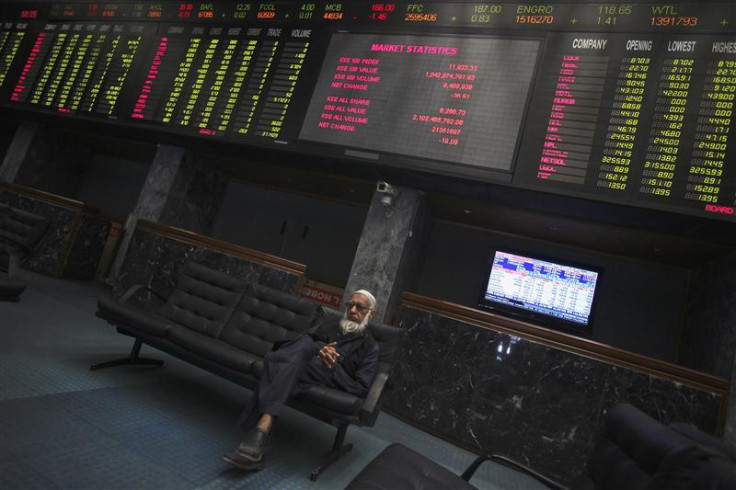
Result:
[[636, 452], [203, 299], [399, 468], [388, 338], [704, 439], [266, 316], [20, 229]]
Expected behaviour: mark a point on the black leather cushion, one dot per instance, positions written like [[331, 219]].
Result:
[[387, 337], [636, 452], [21, 230], [203, 300], [720, 471], [11, 288], [213, 349], [121, 314], [265, 316], [704, 439], [336, 400], [400, 468]]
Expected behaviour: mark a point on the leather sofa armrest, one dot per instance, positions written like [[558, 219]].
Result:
[[132, 290], [370, 405], [514, 465], [13, 263]]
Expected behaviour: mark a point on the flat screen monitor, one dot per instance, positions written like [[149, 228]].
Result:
[[542, 291]]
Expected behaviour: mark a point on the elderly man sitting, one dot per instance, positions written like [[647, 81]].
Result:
[[339, 354]]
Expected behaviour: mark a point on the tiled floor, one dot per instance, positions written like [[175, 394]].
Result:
[[64, 426]]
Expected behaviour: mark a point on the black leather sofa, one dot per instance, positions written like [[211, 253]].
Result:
[[226, 326], [20, 233], [633, 452]]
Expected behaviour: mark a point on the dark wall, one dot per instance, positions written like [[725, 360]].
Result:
[[113, 184], [7, 132], [54, 163], [709, 340], [640, 305], [322, 234]]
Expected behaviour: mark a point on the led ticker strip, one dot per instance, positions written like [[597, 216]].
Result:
[[525, 15]]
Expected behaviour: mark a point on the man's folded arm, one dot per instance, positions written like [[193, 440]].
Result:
[[359, 384]]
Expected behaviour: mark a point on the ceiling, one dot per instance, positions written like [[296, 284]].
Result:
[[637, 234]]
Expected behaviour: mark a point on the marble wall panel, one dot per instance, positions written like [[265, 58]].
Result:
[[500, 393], [709, 336], [157, 260], [86, 251]]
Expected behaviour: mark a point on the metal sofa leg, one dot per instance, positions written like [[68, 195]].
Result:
[[338, 449], [133, 359]]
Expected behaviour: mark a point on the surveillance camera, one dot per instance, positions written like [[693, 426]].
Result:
[[384, 188]]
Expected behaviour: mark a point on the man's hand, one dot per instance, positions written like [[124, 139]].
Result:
[[328, 355]]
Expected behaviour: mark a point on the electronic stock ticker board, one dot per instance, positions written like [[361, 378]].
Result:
[[624, 102]]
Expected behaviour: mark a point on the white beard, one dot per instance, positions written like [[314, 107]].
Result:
[[348, 326]]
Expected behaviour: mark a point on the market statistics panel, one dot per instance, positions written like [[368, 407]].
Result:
[[464, 105], [629, 103]]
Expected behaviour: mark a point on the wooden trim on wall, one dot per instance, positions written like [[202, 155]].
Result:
[[224, 247], [48, 197], [67, 250], [570, 343]]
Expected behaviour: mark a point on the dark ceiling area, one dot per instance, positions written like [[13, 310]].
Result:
[[634, 233]]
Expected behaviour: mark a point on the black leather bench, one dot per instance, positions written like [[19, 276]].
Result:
[[20, 233], [226, 326], [633, 451]]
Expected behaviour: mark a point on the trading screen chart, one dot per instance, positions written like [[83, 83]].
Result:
[[628, 103], [540, 286]]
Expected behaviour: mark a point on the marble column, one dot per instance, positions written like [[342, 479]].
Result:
[[41, 158], [391, 247], [181, 191]]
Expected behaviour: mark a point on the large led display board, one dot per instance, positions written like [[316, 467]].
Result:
[[628, 103]]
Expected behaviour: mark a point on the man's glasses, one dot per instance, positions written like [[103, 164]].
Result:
[[361, 308]]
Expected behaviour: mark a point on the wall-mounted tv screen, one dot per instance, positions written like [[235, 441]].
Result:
[[542, 291]]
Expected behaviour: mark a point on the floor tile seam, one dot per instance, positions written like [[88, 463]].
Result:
[[19, 461], [147, 384], [164, 465], [130, 431]]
